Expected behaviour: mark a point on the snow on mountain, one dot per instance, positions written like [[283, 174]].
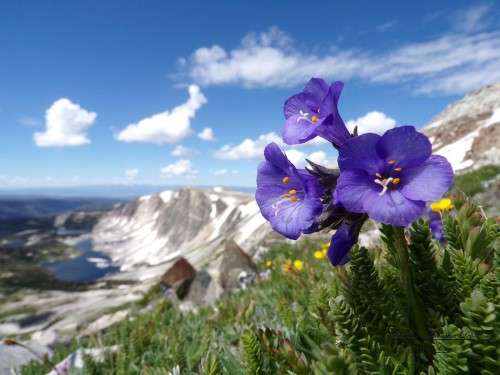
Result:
[[193, 223], [467, 132]]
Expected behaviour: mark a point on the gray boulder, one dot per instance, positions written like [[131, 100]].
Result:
[[237, 270]]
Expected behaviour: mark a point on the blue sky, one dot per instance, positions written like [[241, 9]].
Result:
[[96, 92]]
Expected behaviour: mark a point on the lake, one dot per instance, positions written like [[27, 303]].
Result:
[[88, 267]]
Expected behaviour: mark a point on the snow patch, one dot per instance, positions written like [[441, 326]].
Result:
[[455, 152], [494, 119], [166, 195]]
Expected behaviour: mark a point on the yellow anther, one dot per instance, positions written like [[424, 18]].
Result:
[[314, 119], [398, 169], [292, 192], [285, 179], [294, 199], [396, 181], [441, 205], [391, 162]]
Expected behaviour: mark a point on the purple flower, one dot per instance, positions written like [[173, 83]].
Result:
[[436, 225], [313, 112], [289, 198], [390, 177], [343, 240]]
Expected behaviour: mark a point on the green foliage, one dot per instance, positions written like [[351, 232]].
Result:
[[411, 306], [472, 183], [254, 359]]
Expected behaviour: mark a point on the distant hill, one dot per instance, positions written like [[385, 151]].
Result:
[[15, 207], [467, 132]]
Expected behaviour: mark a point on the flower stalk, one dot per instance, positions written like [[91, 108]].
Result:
[[416, 313]]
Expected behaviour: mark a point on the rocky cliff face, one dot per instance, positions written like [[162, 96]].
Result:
[[193, 223], [467, 132]]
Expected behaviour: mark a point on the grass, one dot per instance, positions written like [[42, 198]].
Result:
[[472, 183], [156, 342]]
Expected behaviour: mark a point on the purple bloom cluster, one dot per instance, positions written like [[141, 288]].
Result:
[[388, 178]]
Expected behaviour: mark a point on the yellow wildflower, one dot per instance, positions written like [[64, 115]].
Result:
[[269, 263], [298, 265], [287, 266], [320, 254], [442, 205]]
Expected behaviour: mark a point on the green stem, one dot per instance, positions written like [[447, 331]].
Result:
[[416, 312]]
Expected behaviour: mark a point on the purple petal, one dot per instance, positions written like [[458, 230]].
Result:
[[330, 101], [297, 131], [342, 241], [317, 88], [429, 181], [392, 208], [436, 225], [297, 103], [360, 153], [333, 130], [275, 156], [352, 187], [405, 146]]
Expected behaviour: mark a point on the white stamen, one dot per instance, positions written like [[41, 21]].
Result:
[[303, 116], [384, 183]]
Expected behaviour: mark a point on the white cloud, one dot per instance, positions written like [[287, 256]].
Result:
[[248, 148], [473, 18], [445, 64], [11, 181], [180, 150], [220, 172], [66, 125], [298, 158], [224, 172], [207, 134], [373, 122], [132, 174], [181, 167], [169, 126]]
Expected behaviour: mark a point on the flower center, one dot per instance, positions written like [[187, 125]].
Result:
[[291, 196], [390, 181], [305, 116]]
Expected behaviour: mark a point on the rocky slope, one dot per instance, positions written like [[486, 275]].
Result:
[[467, 132], [192, 223]]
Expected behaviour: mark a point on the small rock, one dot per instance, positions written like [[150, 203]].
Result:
[[13, 357], [47, 337], [179, 272], [234, 261]]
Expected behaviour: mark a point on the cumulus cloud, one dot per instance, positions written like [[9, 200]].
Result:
[[66, 124], [132, 174], [248, 148], [224, 172], [169, 126], [373, 122], [298, 158], [270, 59], [181, 167], [207, 134], [180, 150]]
